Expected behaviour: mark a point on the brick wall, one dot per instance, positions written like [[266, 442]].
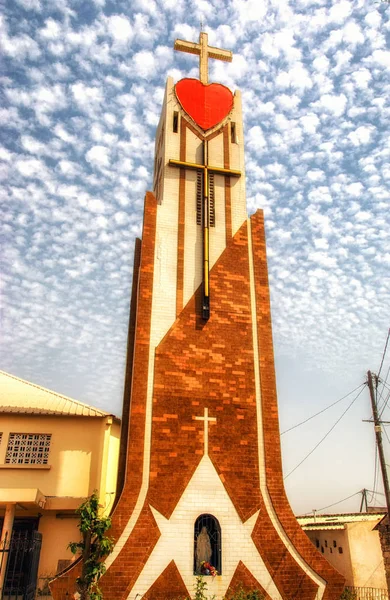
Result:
[[210, 365]]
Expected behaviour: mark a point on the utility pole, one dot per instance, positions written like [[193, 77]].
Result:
[[378, 435], [364, 500]]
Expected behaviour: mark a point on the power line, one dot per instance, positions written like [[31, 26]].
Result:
[[326, 435], [373, 491], [323, 410], [384, 352], [376, 493], [335, 503], [385, 403], [386, 435]]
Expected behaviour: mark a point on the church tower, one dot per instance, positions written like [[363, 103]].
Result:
[[203, 475]]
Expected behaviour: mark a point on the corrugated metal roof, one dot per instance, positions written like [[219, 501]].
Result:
[[336, 521], [19, 396]]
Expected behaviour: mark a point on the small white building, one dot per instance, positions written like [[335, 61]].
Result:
[[351, 543]]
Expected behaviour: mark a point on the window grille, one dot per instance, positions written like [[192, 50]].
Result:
[[212, 200], [213, 531], [28, 448], [199, 197]]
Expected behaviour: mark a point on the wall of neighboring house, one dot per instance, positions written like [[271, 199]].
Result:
[[73, 464], [333, 544], [83, 456], [366, 555], [355, 551]]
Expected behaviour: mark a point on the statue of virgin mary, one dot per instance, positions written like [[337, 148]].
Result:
[[203, 548]]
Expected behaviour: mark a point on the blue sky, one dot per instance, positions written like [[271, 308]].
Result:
[[82, 86]]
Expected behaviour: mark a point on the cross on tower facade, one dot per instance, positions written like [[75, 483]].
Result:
[[205, 169], [204, 51], [206, 419]]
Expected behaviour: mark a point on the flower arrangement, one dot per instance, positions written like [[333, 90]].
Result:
[[207, 569]]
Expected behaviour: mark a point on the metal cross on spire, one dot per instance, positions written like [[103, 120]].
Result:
[[204, 51]]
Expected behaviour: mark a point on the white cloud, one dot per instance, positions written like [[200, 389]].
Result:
[[334, 103], [354, 189], [255, 138], [310, 122], [144, 64], [352, 33], [52, 30], [362, 135], [362, 78], [297, 77], [120, 29], [381, 57], [98, 156], [340, 11], [31, 167], [87, 97], [30, 4]]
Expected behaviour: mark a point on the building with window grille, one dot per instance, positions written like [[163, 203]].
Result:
[[54, 452]]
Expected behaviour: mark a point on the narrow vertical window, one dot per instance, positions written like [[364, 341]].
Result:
[[175, 122], [212, 200], [199, 197], [207, 546], [233, 138]]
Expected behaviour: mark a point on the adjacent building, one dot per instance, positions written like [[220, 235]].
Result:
[[54, 452], [351, 543]]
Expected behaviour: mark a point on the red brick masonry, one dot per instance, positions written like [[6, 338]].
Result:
[[209, 364]]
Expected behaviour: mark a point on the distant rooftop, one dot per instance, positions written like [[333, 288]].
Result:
[[339, 520], [22, 397]]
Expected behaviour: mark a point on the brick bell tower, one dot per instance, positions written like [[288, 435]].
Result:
[[203, 473]]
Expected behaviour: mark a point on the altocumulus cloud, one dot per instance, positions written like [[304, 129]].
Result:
[[83, 88]]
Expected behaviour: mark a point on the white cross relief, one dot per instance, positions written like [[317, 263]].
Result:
[[206, 420], [204, 51]]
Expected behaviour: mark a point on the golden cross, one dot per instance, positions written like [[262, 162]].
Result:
[[204, 51], [206, 420], [206, 169]]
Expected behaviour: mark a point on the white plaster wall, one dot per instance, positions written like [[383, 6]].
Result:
[[237, 162]]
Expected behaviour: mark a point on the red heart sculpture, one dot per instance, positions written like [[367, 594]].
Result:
[[208, 104]]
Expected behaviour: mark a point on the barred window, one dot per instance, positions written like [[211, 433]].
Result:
[[28, 448]]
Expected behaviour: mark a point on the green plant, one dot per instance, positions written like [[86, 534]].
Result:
[[200, 588], [242, 594], [348, 595], [94, 547]]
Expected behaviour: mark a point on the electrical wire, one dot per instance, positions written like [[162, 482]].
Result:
[[384, 352], [386, 435], [384, 404], [323, 410], [387, 374], [376, 464], [335, 503], [376, 493], [326, 435]]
